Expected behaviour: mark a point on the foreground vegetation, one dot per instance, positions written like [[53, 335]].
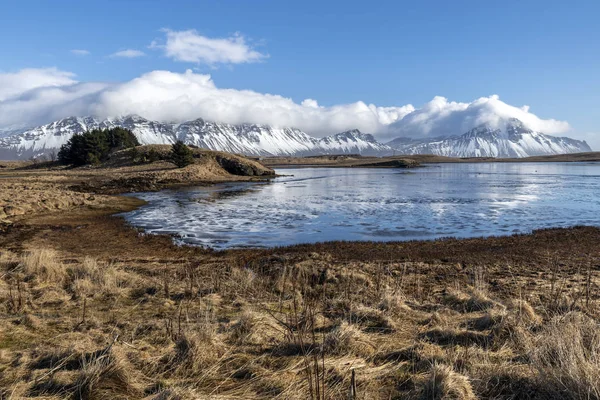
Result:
[[129, 316]]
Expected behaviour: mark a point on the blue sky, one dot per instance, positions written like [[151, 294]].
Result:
[[539, 53]]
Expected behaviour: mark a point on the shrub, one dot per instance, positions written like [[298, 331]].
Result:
[[154, 155], [93, 147], [181, 155]]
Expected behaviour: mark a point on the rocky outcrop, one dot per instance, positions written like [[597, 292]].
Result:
[[237, 166]]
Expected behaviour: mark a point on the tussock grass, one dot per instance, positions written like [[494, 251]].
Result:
[[488, 320], [347, 339], [94, 278], [444, 383], [393, 302], [566, 355], [8, 260], [475, 300], [104, 376], [452, 337], [44, 265]]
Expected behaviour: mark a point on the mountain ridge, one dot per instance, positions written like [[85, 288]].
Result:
[[516, 140]]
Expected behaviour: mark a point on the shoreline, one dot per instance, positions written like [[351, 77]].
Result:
[[108, 214], [117, 200]]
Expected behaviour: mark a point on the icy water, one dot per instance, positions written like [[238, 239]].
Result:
[[322, 204]]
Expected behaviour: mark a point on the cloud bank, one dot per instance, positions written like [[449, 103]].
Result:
[[17, 83], [36, 96], [441, 117], [190, 46]]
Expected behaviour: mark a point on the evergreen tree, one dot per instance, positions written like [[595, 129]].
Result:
[[93, 147], [181, 155]]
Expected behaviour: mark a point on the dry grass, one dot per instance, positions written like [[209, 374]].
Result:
[[346, 339], [566, 354], [144, 319], [44, 265], [443, 383]]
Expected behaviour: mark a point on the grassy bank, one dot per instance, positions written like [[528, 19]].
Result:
[[28, 188]]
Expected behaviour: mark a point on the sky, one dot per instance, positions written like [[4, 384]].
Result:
[[323, 66]]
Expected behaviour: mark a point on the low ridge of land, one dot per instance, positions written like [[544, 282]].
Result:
[[27, 187], [407, 161]]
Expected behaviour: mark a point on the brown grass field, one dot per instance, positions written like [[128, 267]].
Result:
[[92, 308]]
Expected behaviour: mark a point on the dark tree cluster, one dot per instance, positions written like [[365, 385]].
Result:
[[93, 147], [181, 155]]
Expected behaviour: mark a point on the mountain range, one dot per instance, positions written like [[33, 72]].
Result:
[[515, 140]]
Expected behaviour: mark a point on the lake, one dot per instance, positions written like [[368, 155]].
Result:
[[323, 204]]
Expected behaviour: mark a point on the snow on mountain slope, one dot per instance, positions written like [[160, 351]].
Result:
[[354, 142], [246, 138], [514, 141], [47, 138], [483, 141], [249, 139]]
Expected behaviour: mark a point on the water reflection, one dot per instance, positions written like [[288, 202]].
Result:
[[442, 200]]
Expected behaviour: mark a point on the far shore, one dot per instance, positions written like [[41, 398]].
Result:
[[356, 160]]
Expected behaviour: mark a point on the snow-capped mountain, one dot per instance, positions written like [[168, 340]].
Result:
[[246, 139], [353, 142], [249, 139], [516, 140], [48, 138]]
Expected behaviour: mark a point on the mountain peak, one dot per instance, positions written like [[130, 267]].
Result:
[[514, 139], [355, 134], [134, 117], [516, 122]]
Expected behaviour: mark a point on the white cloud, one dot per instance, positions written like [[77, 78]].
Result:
[[129, 53], [190, 46], [16, 83], [441, 117], [80, 52], [310, 103], [41, 96]]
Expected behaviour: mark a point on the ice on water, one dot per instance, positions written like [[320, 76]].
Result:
[[323, 204]]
